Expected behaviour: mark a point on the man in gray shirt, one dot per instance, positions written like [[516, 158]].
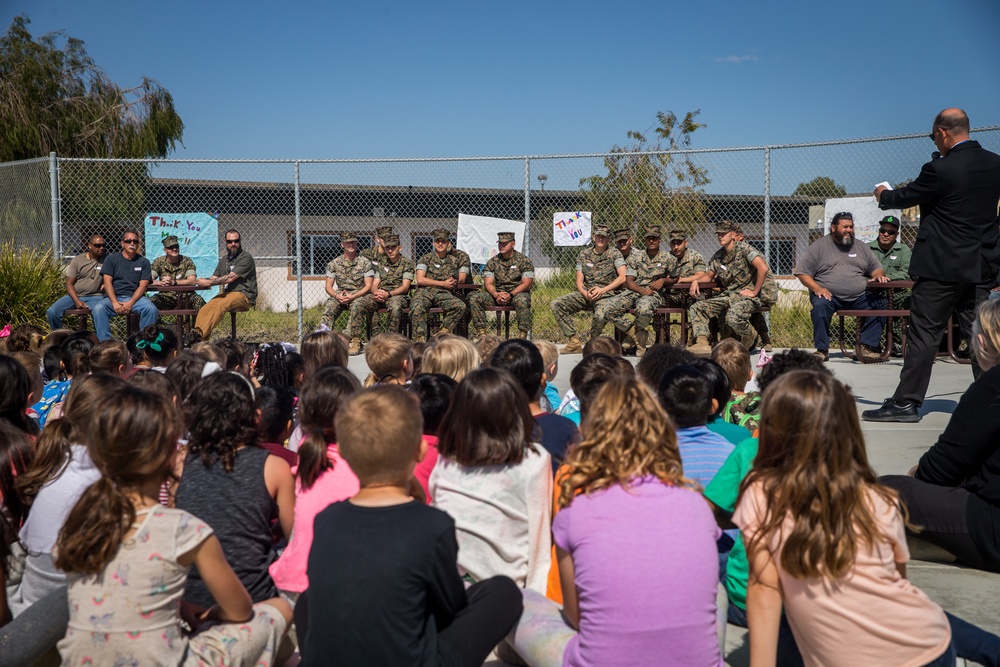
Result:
[[836, 269], [83, 282]]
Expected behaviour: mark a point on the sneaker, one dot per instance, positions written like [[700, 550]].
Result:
[[891, 411], [824, 355]]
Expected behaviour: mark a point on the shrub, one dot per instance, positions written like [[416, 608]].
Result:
[[30, 281]]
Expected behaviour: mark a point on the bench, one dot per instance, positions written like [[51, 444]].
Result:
[[81, 315], [232, 319], [183, 320], [860, 314], [505, 311]]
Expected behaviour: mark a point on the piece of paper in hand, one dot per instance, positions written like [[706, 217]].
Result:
[[883, 184]]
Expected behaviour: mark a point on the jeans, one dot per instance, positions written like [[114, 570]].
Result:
[[55, 312], [822, 315], [104, 311]]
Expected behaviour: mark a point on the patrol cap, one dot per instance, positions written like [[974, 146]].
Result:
[[623, 234], [348, 237], [890, 220], [442, 235], [653, 231], [678, 235], [172, 240], [382, 232], [724, 226], [601, 230], [390, 239], [505, 237]]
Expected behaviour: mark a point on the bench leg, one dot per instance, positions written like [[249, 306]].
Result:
[[232, 318]]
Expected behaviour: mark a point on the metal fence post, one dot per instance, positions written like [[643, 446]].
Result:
[[298, 247], [767, 205], [527, 206], [54, 187]]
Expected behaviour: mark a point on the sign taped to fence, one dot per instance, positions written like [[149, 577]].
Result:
[[571, 228], [477, 235], [866, 215], [197, 234]]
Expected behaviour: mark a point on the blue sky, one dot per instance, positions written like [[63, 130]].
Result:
[[423, 79]]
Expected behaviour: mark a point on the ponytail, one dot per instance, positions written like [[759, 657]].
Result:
[[313, 460], [94, 529]]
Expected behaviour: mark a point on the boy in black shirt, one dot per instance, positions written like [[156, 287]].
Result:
[[384, 587]]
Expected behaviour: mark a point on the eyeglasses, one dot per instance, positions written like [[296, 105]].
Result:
[[97, 245], [236, 242], [130, 241], [890, 232], [173, 247]]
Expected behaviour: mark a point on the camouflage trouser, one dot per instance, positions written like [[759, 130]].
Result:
[[423, 301], [394, 307], [734, 308], [645, 307], [480, 300], [568, 305], [168, 301], [361, 310]]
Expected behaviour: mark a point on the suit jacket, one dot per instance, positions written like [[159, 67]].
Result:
[[958, 195]]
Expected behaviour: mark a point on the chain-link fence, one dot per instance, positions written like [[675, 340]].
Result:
[[292, 213]]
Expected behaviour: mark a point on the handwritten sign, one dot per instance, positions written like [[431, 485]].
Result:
[[197, 234], [569, 229], [866, 215], [477, 235]]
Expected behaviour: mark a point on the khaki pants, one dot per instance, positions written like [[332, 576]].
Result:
[[212, 312]]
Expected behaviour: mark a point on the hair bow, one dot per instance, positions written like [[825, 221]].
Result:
[[5, 331], [142, 344]]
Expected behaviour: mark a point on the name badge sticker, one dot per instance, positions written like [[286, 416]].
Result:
[[138, 268], [892, 257], [852, 254]]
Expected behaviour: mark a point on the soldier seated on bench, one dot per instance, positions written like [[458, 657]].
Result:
[[173, 268], [836, 270]]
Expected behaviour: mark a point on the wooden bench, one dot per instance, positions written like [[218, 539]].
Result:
[[861, 314], [183, 320], [81, 315], [505, 311]]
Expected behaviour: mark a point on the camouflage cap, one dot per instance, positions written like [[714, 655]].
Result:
[[442, 235], [505, 237], [601, 230], [724, 226], [653, 231], [390, 239], [348, 237], [622, 234], [169, 240], [678, 235], [890, 220], [382, 232]]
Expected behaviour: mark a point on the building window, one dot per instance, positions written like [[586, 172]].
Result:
[[782, 255], [319, 249]]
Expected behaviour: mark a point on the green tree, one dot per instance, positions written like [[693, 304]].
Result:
[[53, 97], [821, 187]]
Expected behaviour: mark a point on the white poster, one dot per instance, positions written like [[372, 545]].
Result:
[[477, 235], [572, 228], [866, 215]]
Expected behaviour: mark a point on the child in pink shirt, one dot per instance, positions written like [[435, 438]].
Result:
[[322, 476]]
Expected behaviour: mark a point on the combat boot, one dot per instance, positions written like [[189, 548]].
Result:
[[523, 334], [355, 347], [641, 339], [628, 341], [481, 333], [701, 348], [572, 345], [748, 340], [443, 330]]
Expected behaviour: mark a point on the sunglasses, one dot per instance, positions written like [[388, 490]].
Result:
[[172, 247], [96, 245], [890, 232], [130, 241], [236, 242], [931, 135]]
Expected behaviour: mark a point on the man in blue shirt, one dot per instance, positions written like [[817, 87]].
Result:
[[126, 277]]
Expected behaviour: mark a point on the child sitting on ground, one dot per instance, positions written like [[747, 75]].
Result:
[[388, 359], [721, 395], [383, 582], [494, 481], [434, 391], [485, 346], [570, 406], [551, 399], [276, 411], [744, 408], [452, 356]]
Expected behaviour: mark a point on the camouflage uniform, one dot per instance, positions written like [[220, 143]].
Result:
[[161, 267], [506, 274], [598, 270], [438, 268], [391, 276], [691, 263], [375, 256], [744, 411], [350, 275], [644, 269], [735, 272]]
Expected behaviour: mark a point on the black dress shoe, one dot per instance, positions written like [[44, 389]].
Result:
[[891, 411]]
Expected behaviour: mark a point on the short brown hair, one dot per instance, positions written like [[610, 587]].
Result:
[[321, 348], [486, 346], [602, 345], [380, 449], [108, 356], [550, 353], [735, 361], [386, 352]]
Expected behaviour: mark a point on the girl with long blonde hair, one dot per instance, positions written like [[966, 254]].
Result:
[[636, 547]]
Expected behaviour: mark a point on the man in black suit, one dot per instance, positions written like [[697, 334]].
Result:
[[955, 256]]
